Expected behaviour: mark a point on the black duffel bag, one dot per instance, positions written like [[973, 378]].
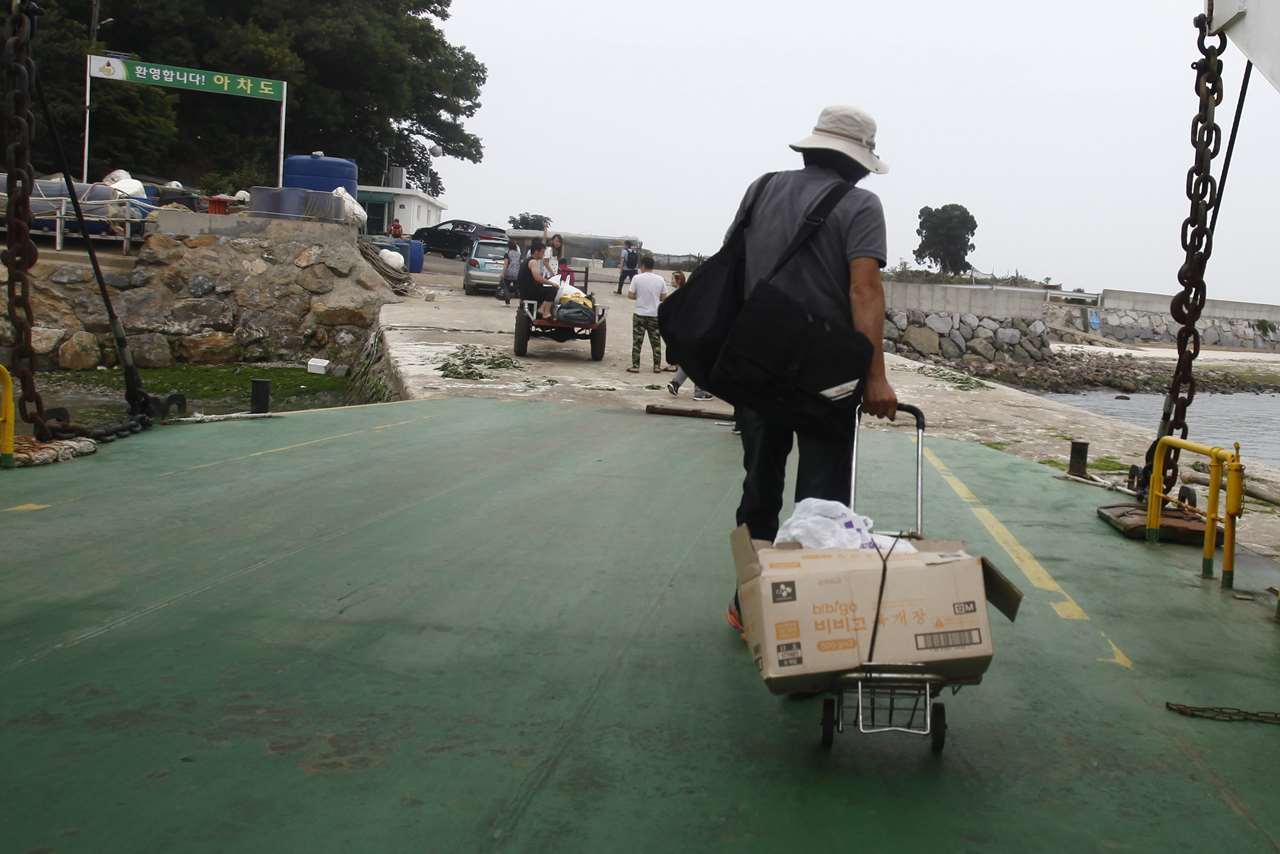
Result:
[[696, 320]]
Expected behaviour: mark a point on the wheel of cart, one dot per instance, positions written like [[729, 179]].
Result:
[[529, 325], [890, 698]]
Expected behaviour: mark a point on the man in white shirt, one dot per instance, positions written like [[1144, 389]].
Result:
[[648, 289]]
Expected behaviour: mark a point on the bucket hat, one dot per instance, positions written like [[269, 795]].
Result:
[[850, 132]]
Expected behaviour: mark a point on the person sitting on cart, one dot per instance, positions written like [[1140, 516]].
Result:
[[533, 284]]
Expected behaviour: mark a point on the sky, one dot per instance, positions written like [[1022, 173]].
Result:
[[1063, 127]]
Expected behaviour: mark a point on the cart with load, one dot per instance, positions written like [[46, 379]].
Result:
[[583, 320]]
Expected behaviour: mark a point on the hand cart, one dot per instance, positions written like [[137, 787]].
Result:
[[898, 697]]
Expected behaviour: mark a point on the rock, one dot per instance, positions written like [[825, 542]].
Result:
[[939, 323], [119, 281], [341, 258], [192, 315], [79, 352], [914, 317], [145, 309], [983, 332], [982, 347], [1123, 397], [1037, 327], [965, 330], [160, 249], [58, 310], [950, 349], [970, 320], [209, 348], [1210, 335], [346, 306], [1030, 349], [890, 347], [317, 279], [150, 350], [257, 267], [900, 319], [1008, 337], [69, 274], [200, 241], [201, 285], [989, 323], [44, 340], [956, 338], [891, 331], [1021, 325], [309, 256], [1017, 354], [923, 341], [974, 363], [6, 335]]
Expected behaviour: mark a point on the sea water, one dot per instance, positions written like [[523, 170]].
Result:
[[1253, 420]]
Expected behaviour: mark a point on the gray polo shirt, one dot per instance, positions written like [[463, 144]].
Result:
[[855, 229]]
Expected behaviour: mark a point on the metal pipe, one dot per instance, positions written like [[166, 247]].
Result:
[[6, 419], [1219, 458], [1211, 518]]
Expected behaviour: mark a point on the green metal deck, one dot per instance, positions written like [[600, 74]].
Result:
[[475, 625]]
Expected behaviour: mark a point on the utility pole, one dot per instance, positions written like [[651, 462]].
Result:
[[95, 7]]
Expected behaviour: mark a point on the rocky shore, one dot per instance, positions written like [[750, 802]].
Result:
[[1082, 371]]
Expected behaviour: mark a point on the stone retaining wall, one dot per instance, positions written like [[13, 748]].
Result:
[[1159, 327], [966, 337], [283, 294]]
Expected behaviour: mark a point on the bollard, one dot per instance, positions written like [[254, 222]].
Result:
[[259, 396], [1079, 465]]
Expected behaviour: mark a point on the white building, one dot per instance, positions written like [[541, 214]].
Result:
[[414, 208]]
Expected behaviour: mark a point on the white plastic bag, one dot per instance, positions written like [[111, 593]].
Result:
[[818, 524], [355, 213], [392, 259], [566, 290]]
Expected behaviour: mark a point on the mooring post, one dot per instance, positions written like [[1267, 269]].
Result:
[[1079, 465], [260, 396]]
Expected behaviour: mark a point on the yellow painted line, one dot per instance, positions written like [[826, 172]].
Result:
[[280, 450], [26, 508], [1117, 656], [1067, 608]]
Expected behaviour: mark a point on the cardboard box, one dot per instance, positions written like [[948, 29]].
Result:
[[810, 614]]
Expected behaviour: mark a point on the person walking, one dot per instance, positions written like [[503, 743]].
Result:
[[840, 274], [510, 272], [673, 387], [648, 289], [628, 264]]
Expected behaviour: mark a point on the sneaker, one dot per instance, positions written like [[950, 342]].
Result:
[[737, 431], [703, 395], [674, 389], [734, 619]]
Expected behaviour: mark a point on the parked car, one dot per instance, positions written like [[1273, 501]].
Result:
[[453, 238], [484, 267]]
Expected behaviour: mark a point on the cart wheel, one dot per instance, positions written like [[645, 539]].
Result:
[[597, 342], [828, 722], [939, 734], [523, 325]]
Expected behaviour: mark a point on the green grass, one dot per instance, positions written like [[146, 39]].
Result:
[[1108, 464], [996, 446], [214, 382], [1053, 463]]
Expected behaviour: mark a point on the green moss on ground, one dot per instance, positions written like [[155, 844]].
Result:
[[212, 382], [996, 446]]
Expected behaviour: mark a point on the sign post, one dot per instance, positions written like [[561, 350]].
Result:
[[188, 79]]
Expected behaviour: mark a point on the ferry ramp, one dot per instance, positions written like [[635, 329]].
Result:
[[479, 625]]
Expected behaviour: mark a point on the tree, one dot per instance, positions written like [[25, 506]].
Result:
[[945, 235], [530, 221], [373, 80]]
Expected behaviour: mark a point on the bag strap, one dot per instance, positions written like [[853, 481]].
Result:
[[811, 224], [741, 227]]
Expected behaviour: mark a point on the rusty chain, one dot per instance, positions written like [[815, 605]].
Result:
[[1197, 244], [19, 256], [1223, 713]]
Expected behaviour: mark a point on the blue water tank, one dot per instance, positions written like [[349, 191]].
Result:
[[325, 174], [417, 256]]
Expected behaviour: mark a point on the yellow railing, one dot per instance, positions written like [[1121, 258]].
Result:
[[1218, 459], [6, 419]]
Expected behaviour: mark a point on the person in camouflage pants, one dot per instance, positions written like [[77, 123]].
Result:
[[648, 290], [639, 327]]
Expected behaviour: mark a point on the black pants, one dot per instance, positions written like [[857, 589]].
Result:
[[624, 277], [824, 470]]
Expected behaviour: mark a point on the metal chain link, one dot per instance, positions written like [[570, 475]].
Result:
[[1197, 244], [19, 256], [1223, 713]]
